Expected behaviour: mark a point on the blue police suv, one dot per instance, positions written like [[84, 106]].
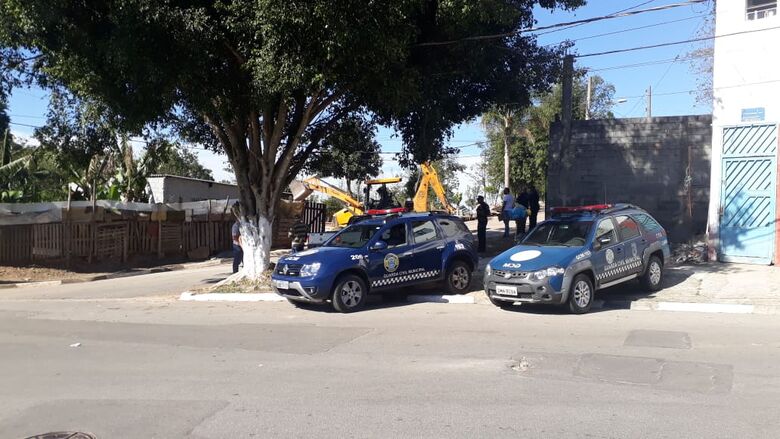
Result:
[[378, 254], [579, 250]]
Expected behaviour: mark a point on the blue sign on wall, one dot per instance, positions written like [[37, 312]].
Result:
[[752, 114]]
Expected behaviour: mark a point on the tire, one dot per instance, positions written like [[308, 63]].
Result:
[[458, 278], [349, 294], [581, 294], [653, 277]]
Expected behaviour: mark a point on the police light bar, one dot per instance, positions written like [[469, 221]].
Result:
[[576, 209]]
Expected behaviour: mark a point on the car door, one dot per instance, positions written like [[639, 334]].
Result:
[[428, 249], [634, 244], [607, 252], [389, 266]]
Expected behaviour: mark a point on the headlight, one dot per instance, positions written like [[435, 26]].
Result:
[[549, 272], [310, 269], [488, 270]]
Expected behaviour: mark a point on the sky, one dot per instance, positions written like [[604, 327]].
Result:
[[27, 107]]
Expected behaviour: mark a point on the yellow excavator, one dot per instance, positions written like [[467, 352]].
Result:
[[430, 179], [301, 189]]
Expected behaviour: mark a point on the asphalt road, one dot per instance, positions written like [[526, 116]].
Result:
[[153, 367]]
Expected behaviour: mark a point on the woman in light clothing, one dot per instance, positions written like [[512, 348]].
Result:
[[508, 203]]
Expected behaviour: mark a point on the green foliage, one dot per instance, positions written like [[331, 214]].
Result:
[[180, 161], [448, 169], [266, 81], [349, 152], [528, 132]]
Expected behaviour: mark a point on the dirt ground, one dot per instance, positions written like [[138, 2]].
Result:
[[79, 269]]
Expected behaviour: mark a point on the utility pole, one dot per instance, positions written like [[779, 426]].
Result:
[[587, 98], [566, 117], [507, 123], [649, 101]]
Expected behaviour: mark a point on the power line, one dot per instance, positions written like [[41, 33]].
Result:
[[648, 63], [580, 24], [631, 29], [558, 25], [674, 43]]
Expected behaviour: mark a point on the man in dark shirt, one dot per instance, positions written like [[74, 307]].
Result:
[[523, 200], [298, 232], [533, 206], [483, 212]]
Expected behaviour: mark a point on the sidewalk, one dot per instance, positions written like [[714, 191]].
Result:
[[738, 287]]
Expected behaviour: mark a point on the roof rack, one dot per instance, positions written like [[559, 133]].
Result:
[[593, 209], [619, 207]]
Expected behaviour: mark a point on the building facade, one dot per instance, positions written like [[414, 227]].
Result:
[[176, 189], [743, 214], [661, 164]]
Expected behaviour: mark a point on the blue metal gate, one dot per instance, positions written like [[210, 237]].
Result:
[[748, 194]]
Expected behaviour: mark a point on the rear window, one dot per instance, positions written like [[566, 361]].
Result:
[[648, 222], [628, 227], [452, 229], [423, 231]]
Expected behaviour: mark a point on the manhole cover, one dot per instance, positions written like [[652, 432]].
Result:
[[63, 435]]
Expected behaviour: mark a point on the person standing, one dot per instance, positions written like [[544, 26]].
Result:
[[238, 252], [533, 206], [483, 212], [507, 204], [299, 231], [522, 200]]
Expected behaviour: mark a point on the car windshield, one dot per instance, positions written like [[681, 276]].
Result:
[[354, 236], [560, 233]]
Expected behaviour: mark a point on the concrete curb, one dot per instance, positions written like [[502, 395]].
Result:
[[120, 274]]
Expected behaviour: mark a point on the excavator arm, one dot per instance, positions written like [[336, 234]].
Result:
[[303, 188], [429, 178]]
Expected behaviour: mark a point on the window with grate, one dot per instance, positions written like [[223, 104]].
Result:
[[758, 9]]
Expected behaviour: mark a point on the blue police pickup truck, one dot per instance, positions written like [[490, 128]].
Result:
[[379, 254], [578, 251]]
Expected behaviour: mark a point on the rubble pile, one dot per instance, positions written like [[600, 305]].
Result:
[[694, 252]]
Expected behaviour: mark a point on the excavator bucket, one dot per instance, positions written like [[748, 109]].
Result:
[[299, 190]]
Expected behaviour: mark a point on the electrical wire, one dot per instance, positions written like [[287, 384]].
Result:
[[580, 24], [674, 43], [629, 29], [558, 25]]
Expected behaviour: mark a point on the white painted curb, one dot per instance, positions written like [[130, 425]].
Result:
[[439, 298], [231, 297], [725, 308]]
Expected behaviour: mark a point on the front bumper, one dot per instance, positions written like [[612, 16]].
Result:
[[301, 289], [528, 290]]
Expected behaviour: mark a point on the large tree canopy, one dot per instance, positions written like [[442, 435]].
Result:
[[266, 80]]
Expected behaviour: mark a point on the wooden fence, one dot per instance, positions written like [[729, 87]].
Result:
[[124, 236], [116, 240]]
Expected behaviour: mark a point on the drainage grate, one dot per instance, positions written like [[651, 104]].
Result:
[[63, 435]]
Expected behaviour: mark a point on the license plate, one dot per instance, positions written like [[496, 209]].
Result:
[[505, 290], [282, 284]]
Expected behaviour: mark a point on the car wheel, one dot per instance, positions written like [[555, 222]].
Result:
[[458, 278], [349, 294], [581, 294], [654, 275]]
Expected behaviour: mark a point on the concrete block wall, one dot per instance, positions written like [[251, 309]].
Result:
[[661, 164]]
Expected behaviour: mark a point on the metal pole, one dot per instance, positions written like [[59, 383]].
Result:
[[649, 101]]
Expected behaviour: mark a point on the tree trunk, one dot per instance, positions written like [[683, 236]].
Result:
[[256, 237], [506, 153]]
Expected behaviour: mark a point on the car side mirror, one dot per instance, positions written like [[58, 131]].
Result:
[[378, 246]]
